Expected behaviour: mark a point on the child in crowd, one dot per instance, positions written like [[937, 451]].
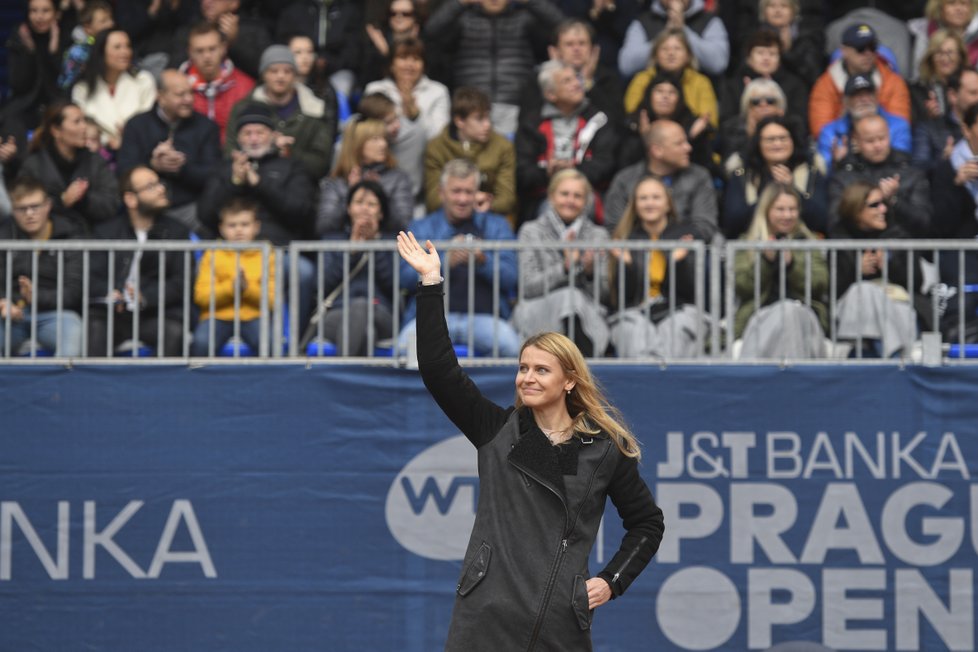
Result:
[[95, 16], [225, 274], [93, 142]]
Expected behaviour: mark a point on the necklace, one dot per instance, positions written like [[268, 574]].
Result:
[[556, 436]]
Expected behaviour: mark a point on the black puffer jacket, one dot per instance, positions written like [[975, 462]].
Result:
[[46, 289], [493, 53]]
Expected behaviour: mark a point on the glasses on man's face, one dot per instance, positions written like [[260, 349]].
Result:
[[757, 101], [30, 209], [152, 185], [401, 14], [866, 48], [874, 204]]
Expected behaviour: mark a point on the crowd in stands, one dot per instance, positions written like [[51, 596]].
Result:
[[538, 121]]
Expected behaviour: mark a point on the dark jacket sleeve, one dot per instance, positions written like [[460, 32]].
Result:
[[292, 200], [737, 213], [643, 523], [814, 202], [911, 205], [954, 209], [101, 201], [201, 163], [477, 417], [217, 191], [530, 144]]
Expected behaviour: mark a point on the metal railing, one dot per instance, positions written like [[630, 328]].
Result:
[[282, 322]]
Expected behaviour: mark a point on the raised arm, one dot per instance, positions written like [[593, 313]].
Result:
[[477, 417]]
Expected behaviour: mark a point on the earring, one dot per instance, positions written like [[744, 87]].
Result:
[[568, 391]]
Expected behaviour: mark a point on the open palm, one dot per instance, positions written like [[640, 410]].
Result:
[[424, 260]]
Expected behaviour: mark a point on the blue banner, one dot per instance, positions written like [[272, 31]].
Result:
[[327, 508]]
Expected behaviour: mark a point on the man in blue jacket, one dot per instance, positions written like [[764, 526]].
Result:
[[484, 311]]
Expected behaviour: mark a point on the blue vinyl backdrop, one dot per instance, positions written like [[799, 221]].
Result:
[[286, 508]]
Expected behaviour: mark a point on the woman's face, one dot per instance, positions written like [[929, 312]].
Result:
[[118, 52], [402, 17], [779, 13], [776, 145], [764, 60], [782, 216], [540, 380], [671, 55], [41, 15], [665, 100], [946, 59], [872, 217], [374, 151], [304, 54], [569, 199], [760, 105], [956, 14], [71, 133], [651, 202], [407, 70], [365, 215]]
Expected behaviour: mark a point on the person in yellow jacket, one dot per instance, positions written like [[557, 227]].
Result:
[[671, 53], [225, 274]]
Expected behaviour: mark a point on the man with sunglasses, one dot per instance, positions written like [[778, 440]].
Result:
[[859, 57]]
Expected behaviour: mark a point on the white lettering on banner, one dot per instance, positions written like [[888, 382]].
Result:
[[749, 528], [949, 531], [841, 499], [181, 511], [785, 456], [671, 496], [763, 613], [954, 623], [705, 592], [840, 608]]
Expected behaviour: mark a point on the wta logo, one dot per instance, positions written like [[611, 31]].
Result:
[[431, 503]]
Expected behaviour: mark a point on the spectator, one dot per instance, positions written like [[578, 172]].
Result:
[[34, 52], [690, 186], [491, 44], [566, 133], [705, 32], [401, 22], [648, 320], [763, 60], [934, 139], [560, 288], [229, 285], [671, 54], [336, 29], [575, 47], [761, 98], [110, 90], [78, 181], [151, 24], [458, 220], [365, 154], [135, 274], [403, 142], [366, 213], [607, 21], [944, 58], [665, 102], [305, 125], [958, 17], [776, 154], [802, 43], [859, 58], [310, 70], [861, 100], [903, 188], [45, 292], [876, 287], [776, 323], [422, 105], [280, 186], [245, 38], [471, 136], [179, 144], [217, 84], [94, 17]]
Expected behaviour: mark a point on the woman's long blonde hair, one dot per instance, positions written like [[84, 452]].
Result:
[[759, 231], [355, 135], [586, 403]]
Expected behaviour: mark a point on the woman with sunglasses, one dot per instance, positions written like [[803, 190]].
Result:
[[958, 17], [776, 154], [876, 287], [761, 98], [402, 22]]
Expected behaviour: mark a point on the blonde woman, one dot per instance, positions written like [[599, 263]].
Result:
[[647, 319], [546, 469], [945, 56], [959, 17], [772, 324], [364, 156]]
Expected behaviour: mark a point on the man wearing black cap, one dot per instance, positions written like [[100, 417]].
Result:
[[279, 186], [860, 101], [306, 124], [859, 57]]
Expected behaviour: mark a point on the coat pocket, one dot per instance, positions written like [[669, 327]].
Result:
[[476, 570], [579, 602]]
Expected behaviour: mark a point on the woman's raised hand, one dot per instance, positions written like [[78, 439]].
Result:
[[424, 260]]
